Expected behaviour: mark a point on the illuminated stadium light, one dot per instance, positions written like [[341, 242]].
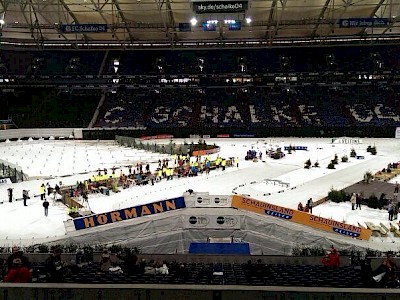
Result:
[[193, 21], [248, 20], [212, 22], [2, 22], [115, 64]]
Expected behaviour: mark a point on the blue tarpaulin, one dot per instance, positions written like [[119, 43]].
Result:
[[219, 248]]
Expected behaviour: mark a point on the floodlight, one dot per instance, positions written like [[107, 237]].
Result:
[[193, 21], [2, 22], [248, 20]]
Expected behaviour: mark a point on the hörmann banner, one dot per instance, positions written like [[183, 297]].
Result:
[[300, 217], [219, 7], [129, 213]]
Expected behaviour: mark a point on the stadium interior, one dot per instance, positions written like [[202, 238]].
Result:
[[250, 68]]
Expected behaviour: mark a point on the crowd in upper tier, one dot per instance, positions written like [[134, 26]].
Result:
[[252, 107], [259, 88]]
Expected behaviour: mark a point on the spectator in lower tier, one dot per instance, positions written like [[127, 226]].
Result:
[[55, 267], [18, 253], [162, 269], [332, 258], [18, 273], [129, 262], [105, 262], [366, 272]]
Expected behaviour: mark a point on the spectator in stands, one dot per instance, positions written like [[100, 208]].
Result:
[[353, 201], [55, 267], [366, 272], [179, 271], [18, 253], [150, 268], [163, 269], [105, 263], [396, 191], [331, 259], [260, 269], [385, 274], [129, 262], [18, 273]]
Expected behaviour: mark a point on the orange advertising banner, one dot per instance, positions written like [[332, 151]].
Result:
[[205, 152], [300, 217]]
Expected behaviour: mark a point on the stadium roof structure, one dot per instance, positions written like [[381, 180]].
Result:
[[167, 23]]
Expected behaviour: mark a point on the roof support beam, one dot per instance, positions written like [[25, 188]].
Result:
[[171, 19], [100, 11], [376, 8], [347, 4], [44, 17], [3, 9], [271, 16], [320, 17], [392, 22], [160, 5], [72, 15], [36, 25], [272, 36], [121, 14]]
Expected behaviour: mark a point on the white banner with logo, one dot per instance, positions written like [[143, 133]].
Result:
[[212, 221], [5, 181], [212, 201]]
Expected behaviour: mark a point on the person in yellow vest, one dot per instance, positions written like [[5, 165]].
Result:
[[42, 192], [217, 162], [237, 161], [223, 164]]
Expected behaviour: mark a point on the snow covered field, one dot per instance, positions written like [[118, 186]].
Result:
[[65, 161]]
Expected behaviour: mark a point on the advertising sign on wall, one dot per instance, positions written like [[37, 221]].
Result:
[[129, 213], [212, 201], [363, 22], [83, 28], [212, 221], [219, 6], [205, 152], [300, 217], [5, 181]]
